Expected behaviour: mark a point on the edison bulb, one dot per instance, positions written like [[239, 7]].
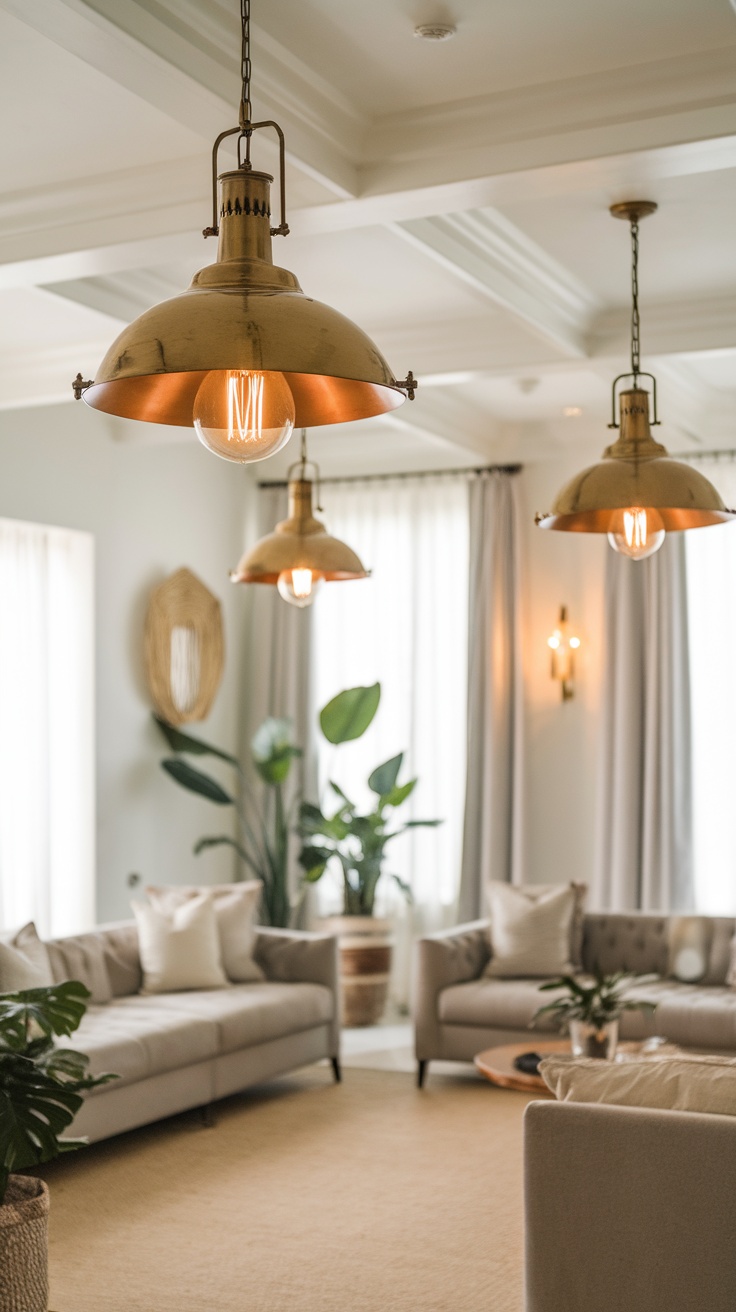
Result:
[[638, 533], [299, 586], [243, 414]]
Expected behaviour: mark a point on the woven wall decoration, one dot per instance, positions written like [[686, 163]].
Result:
[[184, 648]]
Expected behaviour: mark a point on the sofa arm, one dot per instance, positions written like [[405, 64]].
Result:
[[628, 1207], [451, 957], [297, 957]]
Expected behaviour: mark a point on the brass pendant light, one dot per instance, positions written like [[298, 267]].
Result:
[[243, 354], [637, 493], [299, 556]]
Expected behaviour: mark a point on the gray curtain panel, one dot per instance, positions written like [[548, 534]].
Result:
[[278, 669], [645, 841], [492, 836]]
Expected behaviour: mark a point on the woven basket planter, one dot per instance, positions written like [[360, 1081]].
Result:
[[365, 966], [24, 1246]]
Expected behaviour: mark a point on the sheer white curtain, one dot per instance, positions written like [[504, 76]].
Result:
[[47, 802], [406, 626], [711, 568]]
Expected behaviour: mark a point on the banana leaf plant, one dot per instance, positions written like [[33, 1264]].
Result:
[[356, 842], [262, 841], [41, 1085]]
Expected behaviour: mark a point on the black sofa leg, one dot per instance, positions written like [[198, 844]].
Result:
[[421, 1072], [336, 1069], [209, 1116]]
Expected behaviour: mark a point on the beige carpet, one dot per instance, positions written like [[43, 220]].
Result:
[[307, 1197]]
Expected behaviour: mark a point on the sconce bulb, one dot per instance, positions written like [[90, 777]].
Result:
[[638, 533], [299, 586], [243, 415]]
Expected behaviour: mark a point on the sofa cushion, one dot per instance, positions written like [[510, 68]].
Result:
[[82, 958], [507, 1004], [672, 1083], [246, 1014], [692, 1015], [136, 1037]]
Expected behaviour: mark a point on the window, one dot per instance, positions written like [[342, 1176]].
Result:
[[711, 566], [47, 866], [407, 627]]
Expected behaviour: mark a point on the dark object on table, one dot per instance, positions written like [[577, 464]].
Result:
[[528, 1062]]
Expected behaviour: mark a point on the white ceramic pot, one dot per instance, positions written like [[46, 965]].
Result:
[[365, 966], [24, 1246]]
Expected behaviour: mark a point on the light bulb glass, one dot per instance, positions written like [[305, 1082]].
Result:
[[242, 414], [299, 586], [637, 533]]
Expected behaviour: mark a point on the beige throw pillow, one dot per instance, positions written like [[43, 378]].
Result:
[[180, 949], [17, 972], [690, 939], [35, 955], [236, 908], [82, 958], [677, 1083], [530, 932]]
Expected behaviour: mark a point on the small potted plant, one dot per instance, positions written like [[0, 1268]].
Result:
[[592, 1011], [41, 1090], [355, 842]]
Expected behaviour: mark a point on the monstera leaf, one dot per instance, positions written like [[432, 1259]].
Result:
[[57, 1009]]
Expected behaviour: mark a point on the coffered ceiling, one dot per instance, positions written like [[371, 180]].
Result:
[[451, 197]]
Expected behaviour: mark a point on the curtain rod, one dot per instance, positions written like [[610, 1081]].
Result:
[[409, 473]]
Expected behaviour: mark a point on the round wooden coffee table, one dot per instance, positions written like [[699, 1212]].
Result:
[[497, 1064]]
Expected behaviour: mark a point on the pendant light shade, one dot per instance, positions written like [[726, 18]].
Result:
[[636, 471], [300, 554], [636, 493], [244, 355]]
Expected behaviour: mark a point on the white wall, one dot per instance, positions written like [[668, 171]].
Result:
[[562, 738], [151, 509]]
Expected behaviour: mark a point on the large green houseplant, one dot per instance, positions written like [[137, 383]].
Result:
[[355, 843], [262, 842], [41, 1089]]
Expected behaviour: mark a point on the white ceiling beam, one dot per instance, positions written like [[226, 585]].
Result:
[[493, 256], [668, 328], [183, 57]]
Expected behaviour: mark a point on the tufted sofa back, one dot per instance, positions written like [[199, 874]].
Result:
[[638, 941]]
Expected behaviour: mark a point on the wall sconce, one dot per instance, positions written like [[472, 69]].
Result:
[[563, 644]]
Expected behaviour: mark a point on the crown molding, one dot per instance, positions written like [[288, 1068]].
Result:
[[493, 256]]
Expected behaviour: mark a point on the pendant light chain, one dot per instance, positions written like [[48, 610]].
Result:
[[635, 341], [246, 112]]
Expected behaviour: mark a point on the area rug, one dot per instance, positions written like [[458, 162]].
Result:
[[306, 1196]]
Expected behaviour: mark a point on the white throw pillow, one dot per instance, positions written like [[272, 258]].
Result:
[[236, 907], [181, 949], [530, 933], [677, 1083], [35, 964]]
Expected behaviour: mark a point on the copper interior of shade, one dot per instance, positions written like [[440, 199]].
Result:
[[673, 519], [330, 576], [169, 398]]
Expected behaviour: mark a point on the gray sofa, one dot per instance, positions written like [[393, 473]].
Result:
[[174, 1051], [458, 1011], [628, 1208]]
